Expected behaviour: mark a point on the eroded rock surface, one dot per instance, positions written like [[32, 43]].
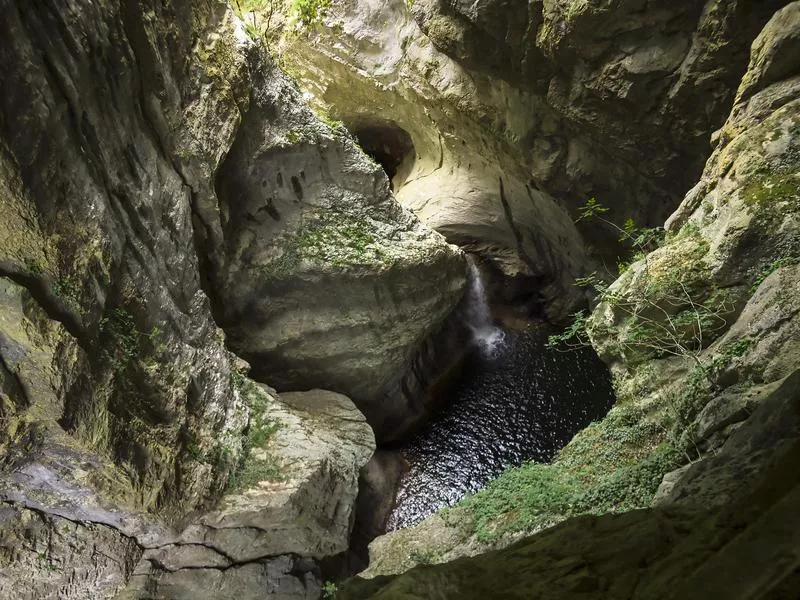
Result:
[[122, 416], [295, 505], [323, 279], [378, 73], [517, 111], [732, 249]]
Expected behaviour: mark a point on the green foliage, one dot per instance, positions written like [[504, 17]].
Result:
[[329, 590], [623, 476], [592, 208], [65, 288], [775, 265], [261, 428], [254, 470], [34, 268], [336, 239], [519, 499], [689, 229], [424, 556], [574, 335], [258, 16], [669, 310], [129, 344], [593, 281], [630, 487], [256, 463], [310, 12]]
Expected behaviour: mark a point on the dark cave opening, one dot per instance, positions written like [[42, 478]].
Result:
[[386, 142]]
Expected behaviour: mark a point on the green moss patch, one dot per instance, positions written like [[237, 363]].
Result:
[[257, 463], [336, 239]]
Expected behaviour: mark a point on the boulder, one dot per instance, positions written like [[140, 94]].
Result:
[[323, 280], [293, 505]]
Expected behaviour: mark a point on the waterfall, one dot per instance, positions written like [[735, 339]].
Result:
[[485, 333]]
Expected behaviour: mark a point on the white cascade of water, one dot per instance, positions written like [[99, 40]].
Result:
[[485, 333]]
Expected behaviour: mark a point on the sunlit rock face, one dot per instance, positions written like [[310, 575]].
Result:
[[292, 506], [519, 111], [447, 136], [323, 279]]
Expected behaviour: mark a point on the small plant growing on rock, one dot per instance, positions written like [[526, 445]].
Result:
[[257, 463], [128, 340], [329, 590], [667, 311], [310, 12]]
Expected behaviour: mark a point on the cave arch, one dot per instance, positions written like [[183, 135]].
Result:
[[388, 144]]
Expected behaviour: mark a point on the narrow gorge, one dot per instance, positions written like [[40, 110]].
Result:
[[399, 299]]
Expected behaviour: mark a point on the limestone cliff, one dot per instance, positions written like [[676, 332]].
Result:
[[128, 249], [178, 231], [321, 279], [702, 336], [499, 117]]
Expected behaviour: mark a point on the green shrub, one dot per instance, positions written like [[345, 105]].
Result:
[[310, 12]]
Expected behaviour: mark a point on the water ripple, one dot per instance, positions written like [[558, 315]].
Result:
[[518, 402]]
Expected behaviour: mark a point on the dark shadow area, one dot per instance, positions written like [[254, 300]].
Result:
[[384, 141]]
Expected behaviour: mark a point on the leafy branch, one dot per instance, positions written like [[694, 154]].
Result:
[[662, 315]]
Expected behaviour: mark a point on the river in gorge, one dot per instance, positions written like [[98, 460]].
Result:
[[517, 400]]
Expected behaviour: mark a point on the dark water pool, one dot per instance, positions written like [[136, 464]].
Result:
[[519, 402]]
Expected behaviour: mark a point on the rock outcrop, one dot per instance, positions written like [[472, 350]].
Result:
[[322, 279], [494, 118], [445, 135], [636, 89], [736, 232], [125, 243], [293, 505]]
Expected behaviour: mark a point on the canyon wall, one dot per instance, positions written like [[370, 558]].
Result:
[[701, 334], [133, 267]]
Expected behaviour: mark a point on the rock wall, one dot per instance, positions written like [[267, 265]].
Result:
[[701, 334], [98, 239], [517, 112], [322, 279], [373, 68], [636, 89], [126, 251]]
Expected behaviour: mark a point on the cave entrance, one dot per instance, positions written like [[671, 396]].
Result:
[[388, 144]]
